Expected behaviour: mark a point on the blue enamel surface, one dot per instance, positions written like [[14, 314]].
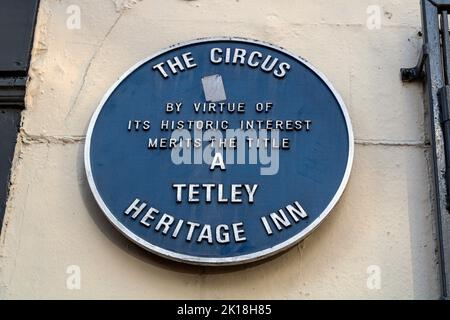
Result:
[[310, 172]]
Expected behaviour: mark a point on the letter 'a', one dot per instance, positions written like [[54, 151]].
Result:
[[217, 162]]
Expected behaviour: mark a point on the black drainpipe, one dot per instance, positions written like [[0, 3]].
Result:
[[434, 69]]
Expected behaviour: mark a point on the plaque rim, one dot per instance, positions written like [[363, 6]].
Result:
[[240, 259]]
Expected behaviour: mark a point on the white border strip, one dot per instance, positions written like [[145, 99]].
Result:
[[230, 260]]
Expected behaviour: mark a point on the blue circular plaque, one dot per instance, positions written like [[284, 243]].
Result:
[[219, 151]]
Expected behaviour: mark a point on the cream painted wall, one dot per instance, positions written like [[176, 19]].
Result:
[[384, 219]]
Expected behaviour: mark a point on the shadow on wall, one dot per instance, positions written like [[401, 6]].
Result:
[[422, 225]]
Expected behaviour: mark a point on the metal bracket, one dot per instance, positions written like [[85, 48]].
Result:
[[416, 73]]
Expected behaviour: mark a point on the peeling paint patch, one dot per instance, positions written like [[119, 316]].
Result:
[[388, 15], [40, 49], [122, 5]]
